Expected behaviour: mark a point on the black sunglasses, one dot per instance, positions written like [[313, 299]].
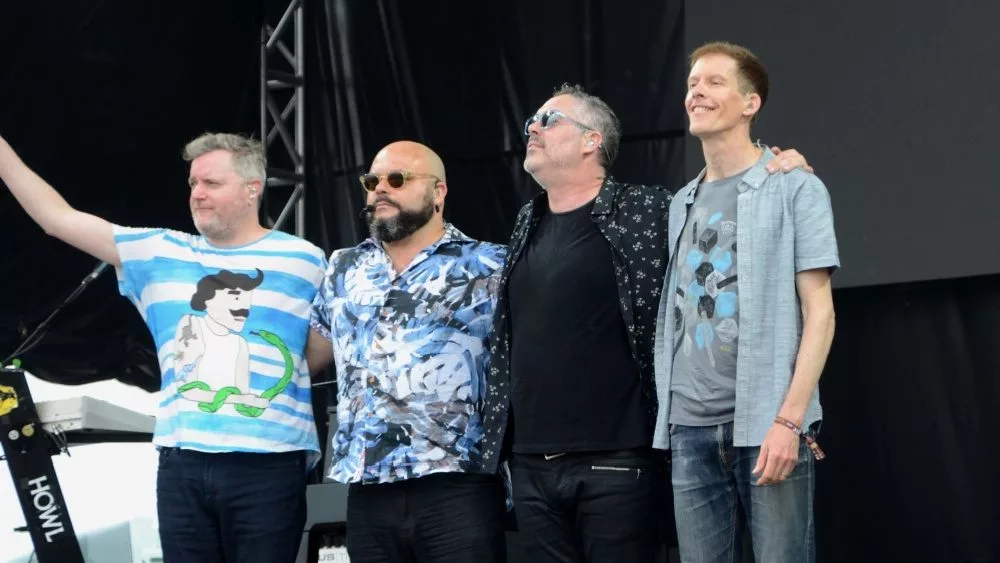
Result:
[[395, 178], [550, 117]]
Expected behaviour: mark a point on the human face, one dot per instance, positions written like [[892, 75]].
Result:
[[714, 102], [220, 199], [561, 145], [230, 308], [398, 212]]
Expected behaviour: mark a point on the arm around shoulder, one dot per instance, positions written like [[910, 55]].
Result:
[[52, 213]]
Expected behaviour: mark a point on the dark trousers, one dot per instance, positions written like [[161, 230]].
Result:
[[593, 507], [440, 518], [230, 507]]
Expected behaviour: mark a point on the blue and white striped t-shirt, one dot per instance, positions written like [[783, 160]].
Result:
[[230, 327]]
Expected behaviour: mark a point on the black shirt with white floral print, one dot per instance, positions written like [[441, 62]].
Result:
[[633, 219]]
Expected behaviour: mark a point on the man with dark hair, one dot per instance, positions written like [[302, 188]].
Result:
[[571, 392], [745, 324], [235, 429]]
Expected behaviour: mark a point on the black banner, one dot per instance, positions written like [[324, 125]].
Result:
[[26, 447]]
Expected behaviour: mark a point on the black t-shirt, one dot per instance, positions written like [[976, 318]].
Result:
[[575, 385]]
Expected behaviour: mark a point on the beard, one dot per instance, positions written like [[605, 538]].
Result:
[[403, 224], [214, 228]]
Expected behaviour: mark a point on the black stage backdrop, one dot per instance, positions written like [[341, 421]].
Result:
[[911, 399], [100, 96]]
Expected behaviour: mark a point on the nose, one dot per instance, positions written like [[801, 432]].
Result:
[[695, 91], [382, 187], [535, 128], [197, 192]]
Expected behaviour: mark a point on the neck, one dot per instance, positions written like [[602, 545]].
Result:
[[216, 327], [728, 153], [402, 252], [241, 236], [574, 190]]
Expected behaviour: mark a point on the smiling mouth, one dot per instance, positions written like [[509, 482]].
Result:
[[701, 109], [240, 314]]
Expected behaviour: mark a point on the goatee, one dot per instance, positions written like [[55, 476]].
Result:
[[403, 224]]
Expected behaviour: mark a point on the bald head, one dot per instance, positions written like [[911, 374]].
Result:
[[413, 210], [411, 156]]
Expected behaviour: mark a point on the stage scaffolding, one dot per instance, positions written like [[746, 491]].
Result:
[[282, 95]]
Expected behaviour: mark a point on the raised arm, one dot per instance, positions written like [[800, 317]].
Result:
[[43, 203]]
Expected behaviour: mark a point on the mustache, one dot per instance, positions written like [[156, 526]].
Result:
[[240, 312], [386, 201]]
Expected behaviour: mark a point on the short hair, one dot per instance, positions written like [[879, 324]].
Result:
[[750, 71], [247, 153], [599, 115]]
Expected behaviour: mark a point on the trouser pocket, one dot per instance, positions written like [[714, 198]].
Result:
[[638, 472]]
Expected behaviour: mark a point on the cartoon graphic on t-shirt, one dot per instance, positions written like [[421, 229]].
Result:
[[212, 358]]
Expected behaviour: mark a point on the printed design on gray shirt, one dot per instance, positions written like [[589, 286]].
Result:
[[706, 315]]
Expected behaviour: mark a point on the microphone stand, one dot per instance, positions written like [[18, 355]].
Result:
[[39, 331]]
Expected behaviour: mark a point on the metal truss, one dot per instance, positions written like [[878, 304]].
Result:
[[282, 95]]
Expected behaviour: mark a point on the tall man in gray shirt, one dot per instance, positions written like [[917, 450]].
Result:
[[744, 327]]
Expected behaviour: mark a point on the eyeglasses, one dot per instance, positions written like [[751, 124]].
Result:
[[548, 118], [395, 178]]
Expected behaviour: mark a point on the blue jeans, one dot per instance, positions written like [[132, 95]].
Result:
[[230, 507], [714, 491]]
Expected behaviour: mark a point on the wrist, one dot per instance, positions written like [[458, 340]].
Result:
[[795, 416], [793, 427], [798, 431]]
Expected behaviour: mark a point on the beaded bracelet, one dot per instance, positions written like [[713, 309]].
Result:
[[810, 440]]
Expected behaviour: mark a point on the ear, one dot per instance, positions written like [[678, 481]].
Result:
[[593, 142], [442, 190], [752, 104]]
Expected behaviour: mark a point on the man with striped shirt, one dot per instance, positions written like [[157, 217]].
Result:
[[229, 313]]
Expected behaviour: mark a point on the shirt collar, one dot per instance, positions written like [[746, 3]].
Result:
[[752, 178], [605, 197]]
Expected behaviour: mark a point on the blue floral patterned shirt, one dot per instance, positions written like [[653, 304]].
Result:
[[411, 355]]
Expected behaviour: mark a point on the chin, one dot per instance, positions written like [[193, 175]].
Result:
[[212, 231], [702, 132], [530, 166], [385, 213]]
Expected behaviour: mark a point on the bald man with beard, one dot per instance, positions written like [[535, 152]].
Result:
[[405, 316]]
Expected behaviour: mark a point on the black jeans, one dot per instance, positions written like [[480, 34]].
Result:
[[593, 507], [230, 507], [440, 518]]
